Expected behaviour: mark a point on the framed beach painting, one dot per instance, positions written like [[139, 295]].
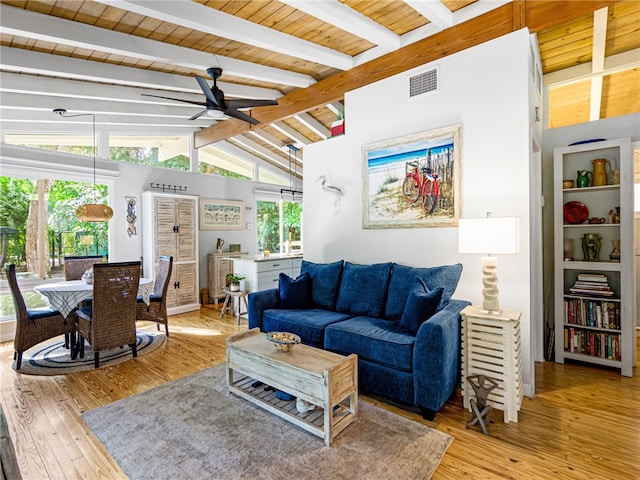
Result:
[[412, 181], [221, 214]]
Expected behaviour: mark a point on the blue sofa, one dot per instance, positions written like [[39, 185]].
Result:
[[378, 312]]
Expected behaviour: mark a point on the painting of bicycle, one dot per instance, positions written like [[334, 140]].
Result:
[[412, 181]]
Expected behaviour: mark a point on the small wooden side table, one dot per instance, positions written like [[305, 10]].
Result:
[[491, 346], [229, 303]]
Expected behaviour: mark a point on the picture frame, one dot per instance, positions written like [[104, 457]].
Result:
[[221, 214], [431, 198]]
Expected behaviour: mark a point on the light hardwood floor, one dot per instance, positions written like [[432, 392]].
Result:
[[584, 422]]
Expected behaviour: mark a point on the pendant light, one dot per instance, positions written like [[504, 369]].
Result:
[[292, 175], [90, 212]]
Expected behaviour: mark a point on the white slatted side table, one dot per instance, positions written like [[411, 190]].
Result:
[[491, 347]]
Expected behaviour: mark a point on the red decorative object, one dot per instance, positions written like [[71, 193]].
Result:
[[575, 213], [337, 128]]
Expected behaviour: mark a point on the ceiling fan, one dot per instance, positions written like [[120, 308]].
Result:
[[216, 105]]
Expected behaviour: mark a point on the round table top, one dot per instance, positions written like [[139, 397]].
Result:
[[76, 286], [65, 296]]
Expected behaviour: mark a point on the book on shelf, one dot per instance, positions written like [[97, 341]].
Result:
[[596, 284], [594, 344], [593, 277]]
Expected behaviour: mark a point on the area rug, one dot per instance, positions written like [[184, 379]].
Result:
[[51, 358], [192, 428]]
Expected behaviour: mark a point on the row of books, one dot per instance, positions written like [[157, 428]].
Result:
[[592, 313], [595, 344], [592, 284]]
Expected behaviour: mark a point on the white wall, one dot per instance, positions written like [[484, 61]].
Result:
[[485, 90], [135, 179]]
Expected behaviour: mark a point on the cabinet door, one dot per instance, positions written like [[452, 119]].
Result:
[[184, 284], [225, 266], [165, 221], [186, 237]]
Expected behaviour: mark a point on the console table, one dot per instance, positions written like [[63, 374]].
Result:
[[491, 347]]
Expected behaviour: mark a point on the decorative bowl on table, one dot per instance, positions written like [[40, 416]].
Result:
[[283, 341], [88, 276]]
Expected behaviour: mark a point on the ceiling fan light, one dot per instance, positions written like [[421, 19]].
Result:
[[217, 114], [94, 212]]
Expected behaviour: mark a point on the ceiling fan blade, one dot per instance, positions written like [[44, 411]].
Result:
[[241, 116], [176, 99], [207, 90], [199, 114], [248, 103]]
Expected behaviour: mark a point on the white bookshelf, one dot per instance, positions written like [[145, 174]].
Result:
[[583, 331]]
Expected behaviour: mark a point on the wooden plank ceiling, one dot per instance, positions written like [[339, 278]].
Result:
[[100, 56]]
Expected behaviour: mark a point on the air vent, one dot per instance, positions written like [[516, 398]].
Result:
[[424, 82]]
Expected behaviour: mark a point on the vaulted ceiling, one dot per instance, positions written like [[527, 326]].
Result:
[[101, 56]]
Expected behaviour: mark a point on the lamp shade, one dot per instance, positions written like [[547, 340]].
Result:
[[94, 212], [490, 235]]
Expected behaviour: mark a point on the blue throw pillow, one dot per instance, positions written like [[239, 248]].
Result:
[[403, 278], [363, 289], [294, 293], [325, 281], [421, 305]]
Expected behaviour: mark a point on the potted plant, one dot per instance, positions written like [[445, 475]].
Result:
[[234, 281]]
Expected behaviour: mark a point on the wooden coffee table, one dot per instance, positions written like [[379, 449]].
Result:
[[325, 379]]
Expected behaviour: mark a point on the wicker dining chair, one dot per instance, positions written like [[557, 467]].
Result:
[[110, 321], [156, 311], [74, 267], [34, 325]]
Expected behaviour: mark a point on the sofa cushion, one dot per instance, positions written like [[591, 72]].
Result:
[[402, 278], [309, 324], [373, 339], [294, 293], [421, 305], [363, 289], [325, 281]]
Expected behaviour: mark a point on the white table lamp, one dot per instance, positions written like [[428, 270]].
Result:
[[489, 236]]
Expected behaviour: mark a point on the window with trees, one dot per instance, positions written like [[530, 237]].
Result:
[[37, 248], [279, 226]]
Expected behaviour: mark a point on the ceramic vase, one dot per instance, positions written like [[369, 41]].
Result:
[[591, 247], [616, 215], [614, 256]]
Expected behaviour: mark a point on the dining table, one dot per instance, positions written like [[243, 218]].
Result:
[[66, 296]]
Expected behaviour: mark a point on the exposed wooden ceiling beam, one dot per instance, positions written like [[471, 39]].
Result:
[[38, 63], [600, 18], [436, 12], [579, 73], [215, 22], [335, 13], [493, 24], [17, 21], [63, 87]]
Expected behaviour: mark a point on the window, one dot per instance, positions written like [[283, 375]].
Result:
[[214, 161], [77, 144], [279, 226], [64, 234], [166, 151]]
